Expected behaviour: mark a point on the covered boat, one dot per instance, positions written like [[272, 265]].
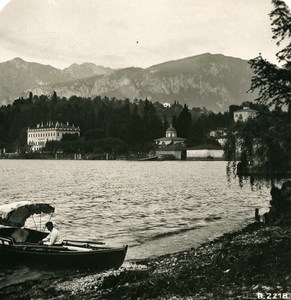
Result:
[[19, 244]]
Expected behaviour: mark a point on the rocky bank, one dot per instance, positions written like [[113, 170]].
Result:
[[250, 264]]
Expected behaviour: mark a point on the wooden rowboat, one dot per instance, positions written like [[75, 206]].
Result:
[[70, 255], [61, 257]]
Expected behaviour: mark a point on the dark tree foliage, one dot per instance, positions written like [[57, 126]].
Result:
[[107, 125], [263, 144], [272, 81], [166, 124], [53, 146], [184, 123], [135, 129]]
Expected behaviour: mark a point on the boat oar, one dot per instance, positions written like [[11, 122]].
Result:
[[36, 246], [85, 242]]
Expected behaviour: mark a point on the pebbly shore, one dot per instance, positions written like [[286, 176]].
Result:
[[253, 263]]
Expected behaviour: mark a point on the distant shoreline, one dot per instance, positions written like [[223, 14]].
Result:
[[84, 158]]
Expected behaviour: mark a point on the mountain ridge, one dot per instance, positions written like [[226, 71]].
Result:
[[214, 81]]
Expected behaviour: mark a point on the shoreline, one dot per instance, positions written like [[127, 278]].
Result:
[[236, 265], [116, 159]]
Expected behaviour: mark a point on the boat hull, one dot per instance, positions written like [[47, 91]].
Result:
[[41, 258]]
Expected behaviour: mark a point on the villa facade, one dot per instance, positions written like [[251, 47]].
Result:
[[244, 114], [38, 137]]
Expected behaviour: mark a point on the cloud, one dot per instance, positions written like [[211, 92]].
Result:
[[106, 31]]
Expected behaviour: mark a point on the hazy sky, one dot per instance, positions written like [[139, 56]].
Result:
[[123, 33]]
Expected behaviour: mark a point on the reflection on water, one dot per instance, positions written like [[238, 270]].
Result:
[[256, 181], [154, 207]]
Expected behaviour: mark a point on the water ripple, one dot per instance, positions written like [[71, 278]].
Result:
[[159, 206]]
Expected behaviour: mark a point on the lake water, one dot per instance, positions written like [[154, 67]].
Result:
[[154, 207]]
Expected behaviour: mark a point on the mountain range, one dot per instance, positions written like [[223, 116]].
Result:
[[208, 80]]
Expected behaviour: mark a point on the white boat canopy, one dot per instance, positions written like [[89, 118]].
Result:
[[16, 213]]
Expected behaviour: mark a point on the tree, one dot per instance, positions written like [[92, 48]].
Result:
[[135, 129], [165, 123], [264, 142], [152, 124], [184, 123], [272, 81]]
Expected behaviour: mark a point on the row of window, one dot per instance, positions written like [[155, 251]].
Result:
[[171, 134], [41, 143], [43, 134]]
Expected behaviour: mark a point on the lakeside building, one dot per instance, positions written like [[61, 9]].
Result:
[[38, 137], [171, 144], [244, 114], [205, 152], [220, 135]]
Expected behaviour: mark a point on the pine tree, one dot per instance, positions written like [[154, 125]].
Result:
[[184, 122]]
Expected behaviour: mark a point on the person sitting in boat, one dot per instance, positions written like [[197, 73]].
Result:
[[20, 235], [54, 237]]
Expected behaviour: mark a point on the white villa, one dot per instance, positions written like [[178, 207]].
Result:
[[244, 114], [37, 137], [171, 138], [171, 144]]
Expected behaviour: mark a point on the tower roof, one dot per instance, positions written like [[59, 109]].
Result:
[[171, 128]]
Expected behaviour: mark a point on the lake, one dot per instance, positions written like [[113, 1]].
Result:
[[154, 207]]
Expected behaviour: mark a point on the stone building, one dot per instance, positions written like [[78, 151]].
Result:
[[171, 145], [38, 137], [244, 114]]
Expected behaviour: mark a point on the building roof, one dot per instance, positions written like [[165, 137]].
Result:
[[163, 139], [172, 147], [171, 128], [51, 125], [245, 109]]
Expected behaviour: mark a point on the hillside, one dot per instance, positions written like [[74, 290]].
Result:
[[18, 77], [206, 80]]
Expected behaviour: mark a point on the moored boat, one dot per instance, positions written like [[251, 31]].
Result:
[[19, 244]]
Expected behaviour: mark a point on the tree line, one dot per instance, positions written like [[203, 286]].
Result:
[[107, 125]]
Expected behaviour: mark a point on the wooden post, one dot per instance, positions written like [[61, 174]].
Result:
[[257, 215], [266, 218]]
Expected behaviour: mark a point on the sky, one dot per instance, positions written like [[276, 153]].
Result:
[[140, 33]]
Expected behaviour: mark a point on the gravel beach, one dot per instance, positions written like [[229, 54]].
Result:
[[253, 263]]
